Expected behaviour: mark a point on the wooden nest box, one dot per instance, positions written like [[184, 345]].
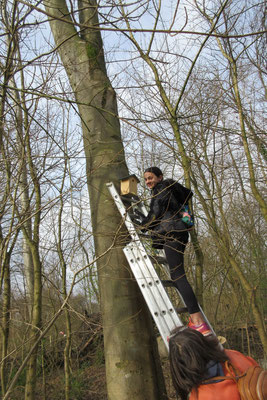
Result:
[[129, 185]]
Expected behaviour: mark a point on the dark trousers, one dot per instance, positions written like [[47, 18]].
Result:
[[174, 248]]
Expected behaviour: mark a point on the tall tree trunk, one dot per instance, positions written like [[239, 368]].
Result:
[[63, 265], [32, 262], [35, 322], [131, 364], [27, 256], [5, 320], [24, 198], [33, 243]]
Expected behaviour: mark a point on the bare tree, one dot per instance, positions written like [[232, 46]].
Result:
[[81, 52]]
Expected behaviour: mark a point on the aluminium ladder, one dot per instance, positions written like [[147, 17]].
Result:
[[154, 293]]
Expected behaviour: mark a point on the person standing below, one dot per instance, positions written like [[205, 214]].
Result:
[[196, 361], [164, 220]]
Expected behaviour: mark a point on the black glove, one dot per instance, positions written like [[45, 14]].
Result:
[[139, 214], [138, 217]]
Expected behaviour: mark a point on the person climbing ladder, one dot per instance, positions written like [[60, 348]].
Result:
[[168, 231]]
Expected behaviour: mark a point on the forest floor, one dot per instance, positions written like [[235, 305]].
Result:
[[92, 385], [88, 383]]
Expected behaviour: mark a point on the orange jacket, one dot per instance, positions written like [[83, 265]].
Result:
[[224, 390]]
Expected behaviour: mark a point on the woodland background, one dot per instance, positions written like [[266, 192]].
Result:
[[91, 92]]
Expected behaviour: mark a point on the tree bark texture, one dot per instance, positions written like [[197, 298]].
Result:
[[131, 363]]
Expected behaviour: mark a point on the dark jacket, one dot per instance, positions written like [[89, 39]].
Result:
[[168, 197]]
